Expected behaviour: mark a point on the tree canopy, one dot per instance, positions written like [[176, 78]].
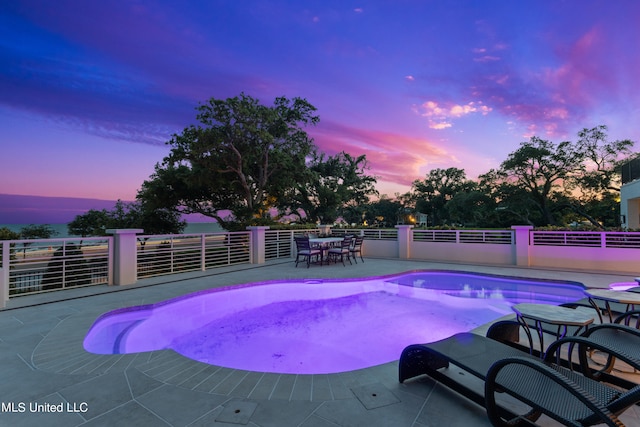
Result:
[[540, 183], [331, 186], [238, 163]]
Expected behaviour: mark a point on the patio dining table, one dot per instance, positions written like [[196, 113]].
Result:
[[561, 317], [630, 299], [324, 243]]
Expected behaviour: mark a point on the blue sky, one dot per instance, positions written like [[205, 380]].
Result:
[[91, 91]]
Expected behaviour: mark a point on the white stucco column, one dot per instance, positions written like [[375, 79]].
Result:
[[630, 205], [125, 258], [258, 243], [521, 247], [405, 234]]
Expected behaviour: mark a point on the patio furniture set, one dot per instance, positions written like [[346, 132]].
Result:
[[326, 249], [565, 386]]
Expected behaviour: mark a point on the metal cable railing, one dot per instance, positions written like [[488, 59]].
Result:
[[169, 254], [52, 264]]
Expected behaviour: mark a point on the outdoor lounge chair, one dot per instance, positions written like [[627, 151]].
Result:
[[543, 386], [305, 250], [621, 338]]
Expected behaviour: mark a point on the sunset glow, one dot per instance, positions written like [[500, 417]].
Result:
[[91, 91]]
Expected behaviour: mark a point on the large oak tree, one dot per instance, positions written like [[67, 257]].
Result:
[[238, 163]]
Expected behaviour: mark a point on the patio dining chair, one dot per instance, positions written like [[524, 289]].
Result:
[[305, 251], [356, 248], [342, 251]]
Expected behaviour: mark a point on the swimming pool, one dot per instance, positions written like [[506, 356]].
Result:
[[319, 326]]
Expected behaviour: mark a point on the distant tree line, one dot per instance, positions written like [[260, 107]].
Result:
[[540, 184], [31, 231]]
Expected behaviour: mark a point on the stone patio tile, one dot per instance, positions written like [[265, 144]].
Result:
[[350, 412], [181, 365], [31, 417], [209, 419], [339, 390], [283, 388], [302, 388], [237, 412], [321, 388], [277, 413], [130, 414], [180, 407], [374, 395], [196, 378], [265, 386], [230, 382], [101, 394], [25, 384], [316, 421], [247, 385], [139, 383], [212, 381], [186, 372], [446, 407]]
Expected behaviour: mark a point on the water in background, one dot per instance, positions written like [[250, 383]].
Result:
[[61, 229]]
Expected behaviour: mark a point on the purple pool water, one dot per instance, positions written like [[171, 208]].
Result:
[[319, 326]]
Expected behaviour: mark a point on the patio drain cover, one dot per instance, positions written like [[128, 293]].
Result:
[[374, 395], [237, 412]]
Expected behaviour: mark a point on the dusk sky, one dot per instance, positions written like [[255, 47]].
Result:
[[90, 91]]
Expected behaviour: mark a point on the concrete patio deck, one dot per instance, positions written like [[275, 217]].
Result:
[[42, 362]]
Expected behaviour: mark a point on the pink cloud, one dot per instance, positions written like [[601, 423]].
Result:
[[554, 98], [440, 117], [394, 158]]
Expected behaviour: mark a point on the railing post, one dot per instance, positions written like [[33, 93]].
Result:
[[125, 255], [521, 246], [258, 247], [203, 253], [4, 273], [404, 241]]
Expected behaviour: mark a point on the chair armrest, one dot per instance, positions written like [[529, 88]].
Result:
[[607, 345], [626, 317]]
